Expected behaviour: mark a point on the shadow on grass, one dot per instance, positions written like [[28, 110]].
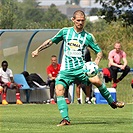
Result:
[[108, 122]]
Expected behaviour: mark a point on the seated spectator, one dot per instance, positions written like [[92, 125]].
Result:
[[52, 72], [115, 56], [7, 82]]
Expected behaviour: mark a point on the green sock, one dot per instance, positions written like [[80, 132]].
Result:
[[63, 107], [105, 93]]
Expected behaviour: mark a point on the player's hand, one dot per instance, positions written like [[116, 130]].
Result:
[[122, 67], [34, 53]]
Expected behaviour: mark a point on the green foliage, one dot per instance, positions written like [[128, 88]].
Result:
[[8, 11], [107, 34], [31, 15], [93, 12], [28, 15], [53, 15], [76, 2], [114, 10]]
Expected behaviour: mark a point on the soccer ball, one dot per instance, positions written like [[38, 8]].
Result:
[[90, 69]]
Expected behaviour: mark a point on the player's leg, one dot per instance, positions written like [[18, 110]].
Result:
[[1, 89], [52, 90], [18, 101], [4, 102], [66, 96], [114, 71], [87, 90], [17, 88], [62, 105], [124, 73], [62, 82], [78, 93], [105, 93]]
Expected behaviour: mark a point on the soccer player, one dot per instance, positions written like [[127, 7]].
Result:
[[6, 79], [76, 39]]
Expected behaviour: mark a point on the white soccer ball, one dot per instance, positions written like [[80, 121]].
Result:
[[90, 69]]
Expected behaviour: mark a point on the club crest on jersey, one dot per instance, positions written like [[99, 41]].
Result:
[[74, 45]]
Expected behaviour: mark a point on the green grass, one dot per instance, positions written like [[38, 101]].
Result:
[[43, 118]]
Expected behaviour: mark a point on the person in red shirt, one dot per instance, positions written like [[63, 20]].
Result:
[[52, 72]]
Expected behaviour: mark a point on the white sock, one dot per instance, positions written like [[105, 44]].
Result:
[[87, 98]]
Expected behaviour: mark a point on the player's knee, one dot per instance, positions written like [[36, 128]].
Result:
[[97, 83], [59, 90], [128, 68], [95, 80]]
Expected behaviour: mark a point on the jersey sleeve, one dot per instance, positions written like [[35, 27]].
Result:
[[58, 37], [10, 73], [110, 56], [124, 54], [91, 42], [59, 66]]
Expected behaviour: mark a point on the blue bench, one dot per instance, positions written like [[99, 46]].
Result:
[[20, 79]]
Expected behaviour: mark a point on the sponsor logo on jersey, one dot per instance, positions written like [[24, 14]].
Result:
[[74, 45]]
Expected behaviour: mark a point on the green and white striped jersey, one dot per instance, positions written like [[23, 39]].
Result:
[[74, 46]]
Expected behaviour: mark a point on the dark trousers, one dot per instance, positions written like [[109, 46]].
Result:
[[51, 84], [115, 70]]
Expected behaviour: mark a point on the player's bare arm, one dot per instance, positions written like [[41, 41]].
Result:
[[125, 63], [45, 45], [98, 58], [112, 63], [11, 78]]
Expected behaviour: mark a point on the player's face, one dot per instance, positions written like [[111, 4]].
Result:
[[54, 61], [79, 22], [4, 66]]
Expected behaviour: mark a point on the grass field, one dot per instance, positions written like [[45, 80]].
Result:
[[43, 118]]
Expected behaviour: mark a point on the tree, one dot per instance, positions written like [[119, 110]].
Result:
[[93, 12], [73, 1], [76, 2], [28, 15], [8, 11], [53, 15], [114, 10]]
